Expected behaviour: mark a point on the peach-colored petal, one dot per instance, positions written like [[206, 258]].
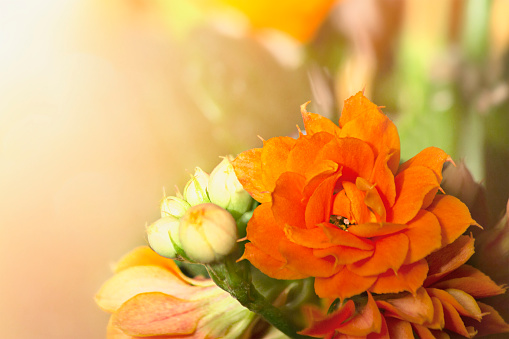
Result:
[[416, 308], [301, 259], [315, 123], [362, 119], [491, 322], [453, 216], [424, 233], [302, 156], [286, 203], [139, 279], [337, 236], [390, 253], [328, 324], [431, 157], [273, 158], [248, 169], [319, 205], [113, 332], [342, 255], [408, 278], [449, 258], [269, 265], [343, 284], [399, 329], [369, 320], [472, 281], [157, 313], [413, 185]]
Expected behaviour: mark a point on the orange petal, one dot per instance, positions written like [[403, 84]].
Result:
[[308, 237], [399, 329], [449, 258], [383, 178], [354, 155], [390, 252], [139, 279], [453, 216], [342, 255], [302, 156], [269, 265], [315, 123], [261, 224], [413, 186], [329, 324], [247, 166], [416, 308], [363, 120], [453, 321], [358, 210], [408, 278], [273, 158], [301, 259], [491, 322], [369, 320], [319, 205], [342, 205], [343, 284], [438, 321], [337, 236], [372, 198], [424, 234], [156, 313], [462, 302], [423, 332], [369, 230], [431, 157], [286, 200]]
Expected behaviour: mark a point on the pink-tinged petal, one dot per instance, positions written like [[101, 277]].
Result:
[[369, 230], [155, 313], [301, 259], [113, 332], [472, 281], [424, 233], [139, 279], [342, 255], [449, 258], [414, 186], [274, 155], [248, 169], [453, 216], [408, 278], [319, 205], [369, 320], [343, 284], [315, 123], [337, 236], [354, 155], [301, 158], [399, 329], [362, 119], [416, 308], [286, 200], [325, 325], [383, 178], [431, 157], [269, 265], [390, 253], [491, 322], [453, 321]]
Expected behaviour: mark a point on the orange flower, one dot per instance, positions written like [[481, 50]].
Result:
[[337, 205], [446, 303], [149, 296]]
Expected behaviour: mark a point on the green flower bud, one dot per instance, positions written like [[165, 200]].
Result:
[[158, 235], [173, 206], [225, 190], [195, 191], [207, 233]]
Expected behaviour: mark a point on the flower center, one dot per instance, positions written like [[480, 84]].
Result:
[[340, 222]]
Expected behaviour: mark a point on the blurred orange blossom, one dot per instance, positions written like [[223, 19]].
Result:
[[337, 205]]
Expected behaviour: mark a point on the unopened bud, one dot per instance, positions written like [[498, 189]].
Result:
[[159, 233], [225, 190], [173, 206], [207, 233], [195, 191]]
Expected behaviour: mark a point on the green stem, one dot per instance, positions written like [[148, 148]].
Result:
[[235, 279]]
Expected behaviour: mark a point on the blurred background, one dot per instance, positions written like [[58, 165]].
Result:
[[103, 104]]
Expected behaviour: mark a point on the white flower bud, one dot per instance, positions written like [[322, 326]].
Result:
[[207, 233], [225, 190], [158, 235], [173, 206], [195, 191]]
